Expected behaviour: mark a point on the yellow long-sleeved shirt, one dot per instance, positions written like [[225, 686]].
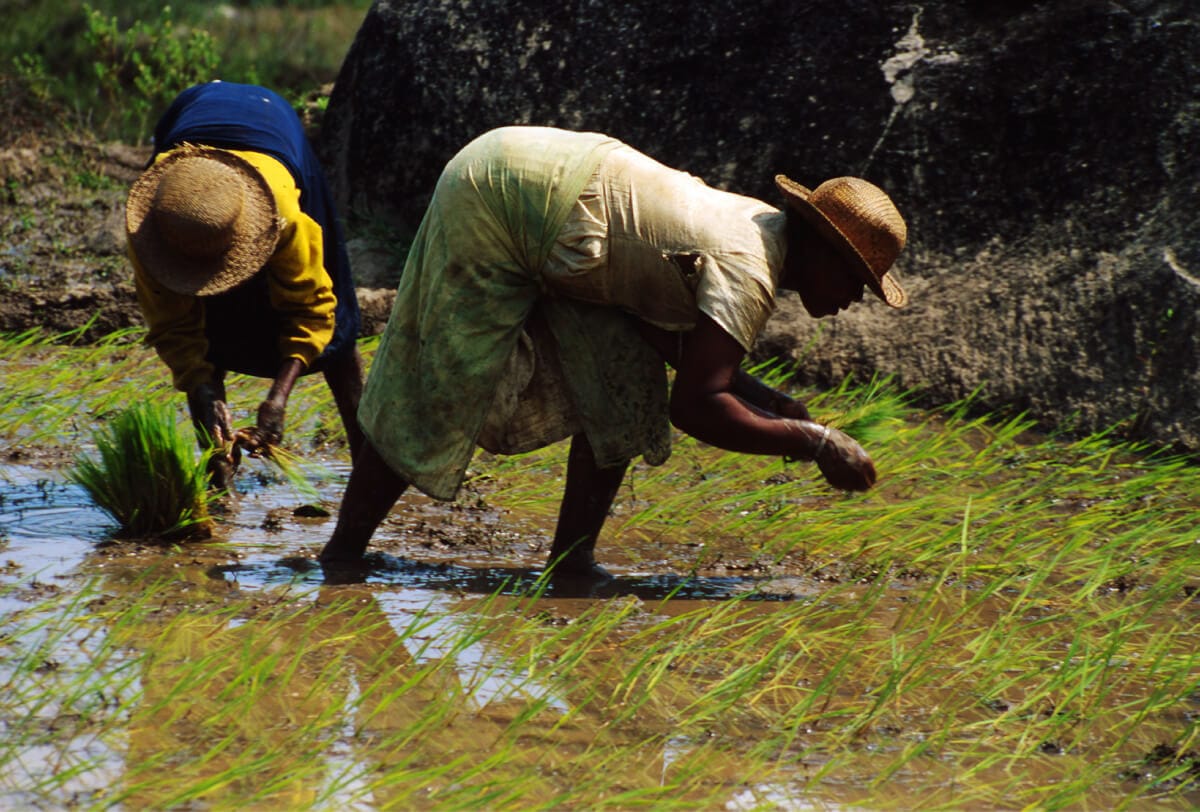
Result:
[[299, 287]]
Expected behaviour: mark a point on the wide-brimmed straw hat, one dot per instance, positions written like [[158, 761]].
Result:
[[201, 220], [861, 221]]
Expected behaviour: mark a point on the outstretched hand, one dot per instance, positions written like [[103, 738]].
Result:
[[844, 463]]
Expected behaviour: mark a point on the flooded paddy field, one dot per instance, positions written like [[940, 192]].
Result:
[[1008, 620]]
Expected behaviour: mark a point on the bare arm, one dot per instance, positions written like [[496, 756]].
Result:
[[707, 403], [755, 392], [268, 431], [750, 389]]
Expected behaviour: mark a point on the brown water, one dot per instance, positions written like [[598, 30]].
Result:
[[437, 563], [54, 541]]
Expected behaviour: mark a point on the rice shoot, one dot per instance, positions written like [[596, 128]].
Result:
[[872, 413], [290, 468], [147, 477]]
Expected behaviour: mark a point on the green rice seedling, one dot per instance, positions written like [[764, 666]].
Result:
[[288, 464], [147, 476], [51, 382], [1007, 620], [871, 413]]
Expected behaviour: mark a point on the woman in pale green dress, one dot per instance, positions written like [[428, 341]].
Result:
[[553, 274]]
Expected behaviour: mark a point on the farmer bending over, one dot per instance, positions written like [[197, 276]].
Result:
[[552, 275], [240, 264]]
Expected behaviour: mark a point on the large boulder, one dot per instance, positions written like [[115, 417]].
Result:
[[1042, 153]]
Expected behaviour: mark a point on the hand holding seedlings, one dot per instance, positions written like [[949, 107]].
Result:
[[258, 440], [843, 462], [267, 433]]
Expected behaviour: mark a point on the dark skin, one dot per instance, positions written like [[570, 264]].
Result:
[[712, 399], [344, 375], [716, 402]]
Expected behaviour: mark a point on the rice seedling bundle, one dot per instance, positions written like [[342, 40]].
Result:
[[147, 476]]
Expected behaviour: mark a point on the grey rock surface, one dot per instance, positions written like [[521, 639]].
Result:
[[1043, 154]]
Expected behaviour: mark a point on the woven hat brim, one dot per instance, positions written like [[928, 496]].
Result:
[[885, 287], [251, 247]]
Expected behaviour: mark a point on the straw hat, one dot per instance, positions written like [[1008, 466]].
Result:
[[861, 220], [201, 220]]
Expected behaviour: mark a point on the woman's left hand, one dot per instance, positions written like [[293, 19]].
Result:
[[268, 432]]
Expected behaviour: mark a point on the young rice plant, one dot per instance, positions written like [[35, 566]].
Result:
[[147, 476]]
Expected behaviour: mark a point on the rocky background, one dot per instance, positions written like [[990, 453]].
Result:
[[1042, 153]]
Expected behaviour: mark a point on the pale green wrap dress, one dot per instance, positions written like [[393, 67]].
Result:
[[515, 321]]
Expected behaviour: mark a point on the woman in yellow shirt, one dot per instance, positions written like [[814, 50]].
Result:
[[240, 264]]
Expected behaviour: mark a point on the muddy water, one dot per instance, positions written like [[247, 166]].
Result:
[[439, 562], [435, 563], [270, 533]]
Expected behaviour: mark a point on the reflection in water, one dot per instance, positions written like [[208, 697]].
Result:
[[391, 675], [46, 526], [241, 672], [790, 797], [485, 676], [396, 678], [387, 570]]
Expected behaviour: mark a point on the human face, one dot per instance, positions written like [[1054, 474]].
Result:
[[825, 281]]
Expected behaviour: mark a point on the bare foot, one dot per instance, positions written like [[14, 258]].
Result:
[[344, 570], [580, 568]]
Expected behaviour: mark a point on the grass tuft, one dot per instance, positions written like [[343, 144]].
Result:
[[147, 476], [1007, 620]]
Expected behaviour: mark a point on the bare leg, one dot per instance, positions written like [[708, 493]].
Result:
[[372, 490], [586, 500], [345, 379]]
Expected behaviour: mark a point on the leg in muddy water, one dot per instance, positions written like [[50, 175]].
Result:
[[586, 500], [345, 379], [372, 490]]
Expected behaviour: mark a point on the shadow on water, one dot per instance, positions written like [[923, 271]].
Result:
[[428, 673], [50, 533], [48, 528], [382, 569]]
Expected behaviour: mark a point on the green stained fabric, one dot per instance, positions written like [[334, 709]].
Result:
[[472, 278]]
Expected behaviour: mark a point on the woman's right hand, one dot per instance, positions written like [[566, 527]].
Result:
[[844, 463], [211, 414]]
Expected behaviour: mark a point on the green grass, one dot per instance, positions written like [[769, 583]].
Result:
[[1008, 620], [58, 388], [112, 71], [147, 475]]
